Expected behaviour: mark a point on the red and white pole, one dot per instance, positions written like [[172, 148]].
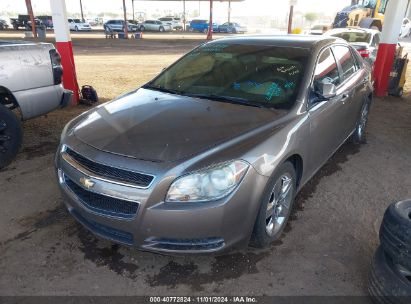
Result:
[[394, 15], [64, 46]]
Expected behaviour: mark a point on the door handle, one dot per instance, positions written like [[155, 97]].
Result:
[[344, 97]]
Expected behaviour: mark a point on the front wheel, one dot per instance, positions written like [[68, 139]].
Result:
[[276, 206], [161, 29], [358, 137], [10, 136], [142, 28], [76, 29]]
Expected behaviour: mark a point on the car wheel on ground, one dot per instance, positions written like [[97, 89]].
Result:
[[275, 207], [395, 233], [161, 29], [76, 28], [388, 283], [11, 136], [205, 31], [142, 28], [358, 137]]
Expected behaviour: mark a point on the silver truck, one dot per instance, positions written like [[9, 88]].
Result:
[[30, 86]]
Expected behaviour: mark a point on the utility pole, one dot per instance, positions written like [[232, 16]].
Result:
[[210, 26], [125, 20], [184, 15], [31, 14], [290, 16], [132, 6], [81, 10], [229, 11]]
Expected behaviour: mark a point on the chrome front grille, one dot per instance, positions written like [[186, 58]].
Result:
[[113, 174], [102, 204]]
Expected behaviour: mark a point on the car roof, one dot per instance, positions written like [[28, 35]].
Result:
[[299, 41], [351, 30]]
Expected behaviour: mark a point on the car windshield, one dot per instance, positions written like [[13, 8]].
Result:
[[266, 76], [318, 27], [77, 20], [353, 37]]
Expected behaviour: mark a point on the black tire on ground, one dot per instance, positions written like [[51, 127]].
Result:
[[161, 29], [142, 28], [11, 136], [358, 137], [387, 285], [260, 238], [395, 233]]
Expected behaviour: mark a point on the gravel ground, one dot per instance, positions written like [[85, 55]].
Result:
[[325, 250]]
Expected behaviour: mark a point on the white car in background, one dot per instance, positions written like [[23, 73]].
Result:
[[174, 22], [78, 25], [365, 41], [405, 28]]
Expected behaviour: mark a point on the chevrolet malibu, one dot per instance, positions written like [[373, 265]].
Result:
[[209, 155]]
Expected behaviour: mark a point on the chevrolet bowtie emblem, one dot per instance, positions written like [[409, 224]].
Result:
[[87, 183]]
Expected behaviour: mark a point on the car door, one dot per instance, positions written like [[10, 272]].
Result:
[[353, 86], [327, 117]]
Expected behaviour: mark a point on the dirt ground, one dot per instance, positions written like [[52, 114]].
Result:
[[326, 249]]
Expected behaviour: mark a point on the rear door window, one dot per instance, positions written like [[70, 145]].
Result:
[[346, 60]]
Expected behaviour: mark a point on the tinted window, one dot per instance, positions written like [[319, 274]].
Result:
[[326, 70], [346, 60], [383, 6], [266, 75]]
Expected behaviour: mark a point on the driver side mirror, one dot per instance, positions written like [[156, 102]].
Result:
[[327, 90]]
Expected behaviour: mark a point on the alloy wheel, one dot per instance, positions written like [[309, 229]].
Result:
[[278, 207], [363, 121]]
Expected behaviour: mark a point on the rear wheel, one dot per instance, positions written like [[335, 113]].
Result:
[[76, 28], [142, 28], [161, 29], [276, 206], [358, 137], [10, 136]]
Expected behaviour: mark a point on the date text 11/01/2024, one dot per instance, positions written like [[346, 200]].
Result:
[[204, 299]]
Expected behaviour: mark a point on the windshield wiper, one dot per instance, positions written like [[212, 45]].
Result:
[[229, 99], [160, 89]]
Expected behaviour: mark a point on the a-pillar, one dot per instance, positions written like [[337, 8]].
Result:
[[394, 15], [64, 46]]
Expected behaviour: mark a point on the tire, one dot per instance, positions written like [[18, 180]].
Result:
[[277, 202], [205, 31], [11, 136], [161, 29], [142, 28], [395, 233], [76, 29], [387, 284], [358, 137]]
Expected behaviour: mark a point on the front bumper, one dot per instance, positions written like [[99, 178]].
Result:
[[158, 226]]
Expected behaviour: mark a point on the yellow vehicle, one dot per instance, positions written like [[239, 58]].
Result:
[[365, 14]]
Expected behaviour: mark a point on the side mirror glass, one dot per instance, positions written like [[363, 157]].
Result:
[[327, 90]]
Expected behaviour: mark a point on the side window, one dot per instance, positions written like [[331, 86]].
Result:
[[326, 70], [346, 60], [377, 39]]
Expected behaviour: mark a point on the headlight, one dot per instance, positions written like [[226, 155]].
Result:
[[208, 184]]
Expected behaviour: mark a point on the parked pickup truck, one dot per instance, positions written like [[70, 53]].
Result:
[[30, 86]]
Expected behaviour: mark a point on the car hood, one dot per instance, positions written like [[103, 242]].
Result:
[[155, 126]]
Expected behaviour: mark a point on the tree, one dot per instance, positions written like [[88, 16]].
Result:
[[311, 17]]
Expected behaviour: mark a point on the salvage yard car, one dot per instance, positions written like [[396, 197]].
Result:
[[78, 25], [365, 41], [210, 154], [155, 25], [30, 84]]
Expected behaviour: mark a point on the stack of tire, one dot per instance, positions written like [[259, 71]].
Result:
[[390, 277]]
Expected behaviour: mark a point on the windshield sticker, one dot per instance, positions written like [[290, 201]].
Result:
[[290, 70], [273, 91]]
